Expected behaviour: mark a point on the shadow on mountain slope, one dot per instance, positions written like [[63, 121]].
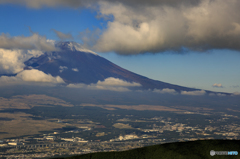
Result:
[[180, 150]]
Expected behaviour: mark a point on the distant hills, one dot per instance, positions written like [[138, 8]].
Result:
[[179, 150]]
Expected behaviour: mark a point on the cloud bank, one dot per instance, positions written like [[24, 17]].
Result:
[[30, 76], [12, 61], [34, 42], [139, 26], [194, 93], [111, 81], [14, 51], [38, 76], [165, 90], [112, 84], [206, 25]]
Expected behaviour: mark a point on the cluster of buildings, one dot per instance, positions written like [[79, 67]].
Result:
[[11, 142], [125, 137], [74, 139]]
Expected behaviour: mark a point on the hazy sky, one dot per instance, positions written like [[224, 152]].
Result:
[[192, 43]]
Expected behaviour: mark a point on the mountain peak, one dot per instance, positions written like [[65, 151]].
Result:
[[73, 46], [75, 64]]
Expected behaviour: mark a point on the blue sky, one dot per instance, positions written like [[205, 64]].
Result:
[[198, 69]]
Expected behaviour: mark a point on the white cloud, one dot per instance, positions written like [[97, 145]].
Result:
[[38, 76], [52, 42], [75, 69], [157, 25], [9, 61], [117, 82], [79, 85], [111, 88], [62, 68], [218, 85], [34, 42], [12, 61], [113, 84], [28, 76], [99, 87], [193, 93], [165, 90], [5, 80], [207, 25]]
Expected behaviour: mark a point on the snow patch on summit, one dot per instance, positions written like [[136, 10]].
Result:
[[73, 46]]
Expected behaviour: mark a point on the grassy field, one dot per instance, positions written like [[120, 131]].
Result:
[[18, 123], [21, 124], [133, 107]]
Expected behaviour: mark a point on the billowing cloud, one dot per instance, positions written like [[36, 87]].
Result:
[[140, 26], [206, 25], [5, 80], [165, 90], [27, 76], [12, 61], [78, 85], [38, 76], [113, 84], [218, 85], [63, 36], [194, 93], [34, 42], [111, 81]]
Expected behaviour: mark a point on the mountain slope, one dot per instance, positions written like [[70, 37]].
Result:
[[76, 65], [179, 150]]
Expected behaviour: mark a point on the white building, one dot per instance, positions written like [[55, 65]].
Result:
[[14, 143], [50, 137], [68, 139]]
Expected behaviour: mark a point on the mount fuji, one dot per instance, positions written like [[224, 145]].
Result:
[[75, 64]]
